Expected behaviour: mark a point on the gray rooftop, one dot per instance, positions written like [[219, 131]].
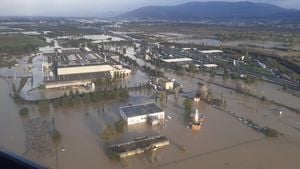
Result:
[[141, 109]]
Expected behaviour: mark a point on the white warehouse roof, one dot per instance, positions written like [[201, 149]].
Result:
[[141, 113], [211, 51], [141, 109], [177, 60], [210, 65]]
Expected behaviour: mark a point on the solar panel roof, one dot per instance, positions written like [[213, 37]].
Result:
[[142, 109]]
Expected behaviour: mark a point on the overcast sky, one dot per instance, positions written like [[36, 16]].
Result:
[[97, 7]]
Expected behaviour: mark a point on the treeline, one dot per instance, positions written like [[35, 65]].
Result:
[[102, 95], [74, 98], [152, 72], [128, 60]]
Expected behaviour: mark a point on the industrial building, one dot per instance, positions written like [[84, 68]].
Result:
[[165, 83], [71, 66], [211, 51], [210, 65], [139, 145], [141, 113], [174, 60]]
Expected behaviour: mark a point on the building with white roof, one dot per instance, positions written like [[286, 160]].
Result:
[[140, 113], [210, 65], [211, 51], [177, 60]]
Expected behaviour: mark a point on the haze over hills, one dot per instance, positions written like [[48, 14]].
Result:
[[213, 10]]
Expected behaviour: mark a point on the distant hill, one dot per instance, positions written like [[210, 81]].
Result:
[[212, 10]]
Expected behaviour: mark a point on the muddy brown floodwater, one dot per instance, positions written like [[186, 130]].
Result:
[[12, 134], [223, 142]]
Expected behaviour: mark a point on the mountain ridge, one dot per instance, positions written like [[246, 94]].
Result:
[[212, 10]]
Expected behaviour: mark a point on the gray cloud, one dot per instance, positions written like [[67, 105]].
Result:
[[95, 7]]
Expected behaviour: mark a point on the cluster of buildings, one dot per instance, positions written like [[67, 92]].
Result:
[[140, 114], [66, 67], [190, 56]]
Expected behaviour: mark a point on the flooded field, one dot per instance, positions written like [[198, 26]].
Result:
[[188, 39], [261, 44], [94, 38], [219, 144], [206, 42]]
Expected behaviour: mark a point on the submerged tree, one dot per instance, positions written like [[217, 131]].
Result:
[[119, 126], [108, 133], [188, 105], [24, 112]]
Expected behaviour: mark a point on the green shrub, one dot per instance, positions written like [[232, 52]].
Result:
[[24, 111]]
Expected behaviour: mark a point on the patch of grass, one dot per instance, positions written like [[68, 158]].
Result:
[[269, 132], [18, 44]]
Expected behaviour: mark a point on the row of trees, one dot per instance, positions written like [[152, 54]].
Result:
[[74, 98], [152, 72], [128, 60], [188, 106], [77, 98]]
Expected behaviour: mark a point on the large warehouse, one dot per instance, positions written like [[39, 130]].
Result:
[[141, 113], [69, 70], [83, 64], [70, 63], [79, 67]]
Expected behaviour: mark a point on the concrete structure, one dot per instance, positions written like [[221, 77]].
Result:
[[197, 120], [165, 83], [136, 114]]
